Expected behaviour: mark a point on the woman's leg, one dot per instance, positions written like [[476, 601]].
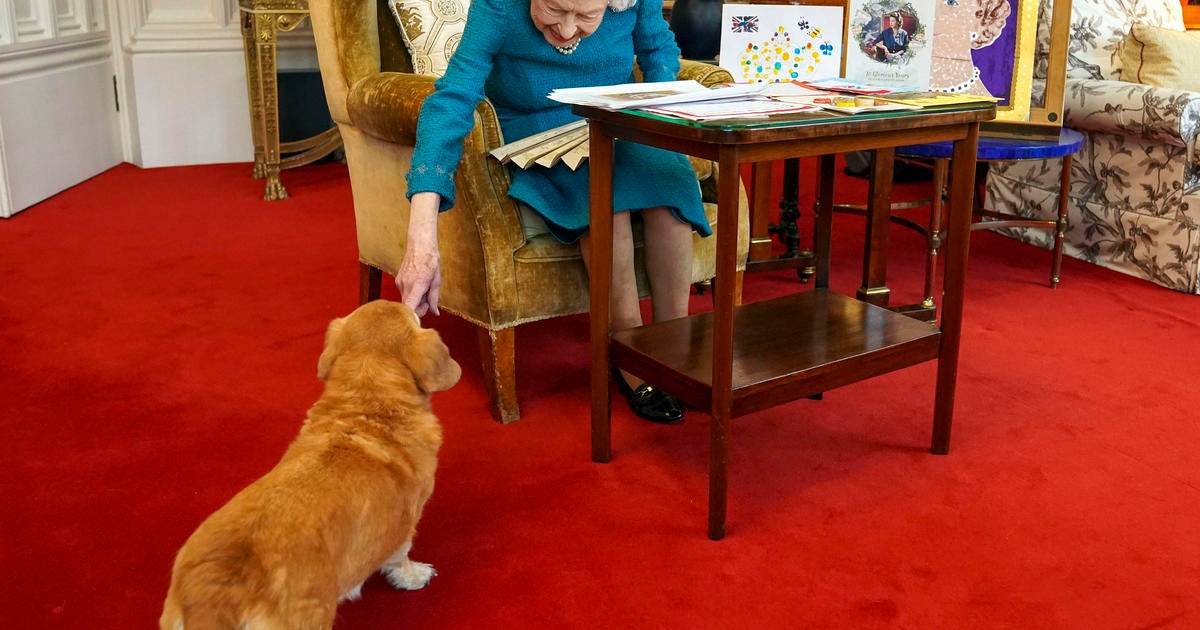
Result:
[[624, 304], [648, 402], [623, 300], [668, 263]]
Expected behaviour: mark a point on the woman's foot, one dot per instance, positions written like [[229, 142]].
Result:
[[649, 402]]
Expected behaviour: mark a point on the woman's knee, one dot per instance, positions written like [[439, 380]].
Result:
[[662, 218]]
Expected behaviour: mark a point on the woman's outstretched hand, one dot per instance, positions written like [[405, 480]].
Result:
[[420, 276]]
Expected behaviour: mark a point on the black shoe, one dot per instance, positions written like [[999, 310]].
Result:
[[650, 402]]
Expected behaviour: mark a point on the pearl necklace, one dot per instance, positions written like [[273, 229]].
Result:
[[568, 49]]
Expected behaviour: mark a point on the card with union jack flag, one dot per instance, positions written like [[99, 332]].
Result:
[[772, 43], [745, 24]]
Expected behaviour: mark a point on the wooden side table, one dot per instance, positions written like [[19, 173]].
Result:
[[742, 358], [261, 21]]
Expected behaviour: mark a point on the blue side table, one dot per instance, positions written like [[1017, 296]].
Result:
[[1033, 147]]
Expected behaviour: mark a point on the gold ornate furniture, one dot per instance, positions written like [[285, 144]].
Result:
[[740, 359], [261, 22], [494, 275]]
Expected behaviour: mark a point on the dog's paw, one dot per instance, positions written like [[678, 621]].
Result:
[[410, 576]]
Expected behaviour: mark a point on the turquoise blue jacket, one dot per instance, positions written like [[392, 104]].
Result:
[[504, 57]]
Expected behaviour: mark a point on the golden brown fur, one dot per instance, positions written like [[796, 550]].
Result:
[[344, 500]]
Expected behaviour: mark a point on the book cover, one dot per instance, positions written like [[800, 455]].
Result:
[[890, 42], [770, 43]]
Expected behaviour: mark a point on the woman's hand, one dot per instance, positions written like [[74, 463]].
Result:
[[420, 276]]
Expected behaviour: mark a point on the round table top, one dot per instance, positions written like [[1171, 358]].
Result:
[[1004, 148]]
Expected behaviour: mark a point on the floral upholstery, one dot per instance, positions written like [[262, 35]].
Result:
[[1134, 200]]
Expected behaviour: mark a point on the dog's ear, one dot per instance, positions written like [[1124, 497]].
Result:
[[333, 347], [430, 362]]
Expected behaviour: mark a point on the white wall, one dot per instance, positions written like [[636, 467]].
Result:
[[58, 117], [184, 80], [180, 79]]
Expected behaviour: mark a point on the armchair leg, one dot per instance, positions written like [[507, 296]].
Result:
[[738, 282], [497, 349], [370, 282]]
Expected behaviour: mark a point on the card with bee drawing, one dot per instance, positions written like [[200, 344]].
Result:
[[770, 43]]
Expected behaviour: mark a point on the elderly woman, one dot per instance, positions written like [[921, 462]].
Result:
[[515, 52]]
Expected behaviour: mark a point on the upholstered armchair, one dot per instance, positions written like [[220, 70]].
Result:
[[494, 274], [1135, 186]]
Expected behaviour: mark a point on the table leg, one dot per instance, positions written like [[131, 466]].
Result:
[[722, 344], [1060, 228], [879, 211], [823, 221], [788, 229], [249, 44], [958, 240], [937, 213], [600, 278], [760, 196], [265, 29]]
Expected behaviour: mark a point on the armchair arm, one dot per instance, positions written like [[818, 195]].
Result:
[[1160, 115], [704, 73], [386, 105]]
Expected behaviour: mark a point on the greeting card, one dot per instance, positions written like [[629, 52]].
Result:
[[889, 42], [768, 43]]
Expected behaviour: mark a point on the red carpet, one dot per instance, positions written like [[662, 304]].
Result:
[[159, 332]]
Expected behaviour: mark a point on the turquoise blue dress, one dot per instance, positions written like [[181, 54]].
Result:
[[504, 57]]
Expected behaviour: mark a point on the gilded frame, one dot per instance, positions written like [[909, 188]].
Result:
[[1016, 105], [1056, 39], [1043, 38]]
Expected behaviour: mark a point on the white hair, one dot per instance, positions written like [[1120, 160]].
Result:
[[620, 5]]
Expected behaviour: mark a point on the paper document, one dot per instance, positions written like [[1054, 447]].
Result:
[[791, 88], [849, 86], [566, 143], [504, 153], [736, 108], [636, 95], [848, 103]]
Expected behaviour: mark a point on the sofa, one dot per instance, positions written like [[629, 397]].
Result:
[[1134, 200]]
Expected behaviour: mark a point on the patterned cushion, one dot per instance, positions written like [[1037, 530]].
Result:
[[1098, 29], [1157, 56], [431, 30]]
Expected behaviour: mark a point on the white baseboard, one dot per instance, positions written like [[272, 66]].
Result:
[[60, 122]]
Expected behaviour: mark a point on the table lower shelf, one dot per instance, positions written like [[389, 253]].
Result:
[[784, 348]]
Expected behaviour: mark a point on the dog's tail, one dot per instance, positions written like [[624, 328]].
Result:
[[205, 615], [232, 588], [205, 598], [213, 618]]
